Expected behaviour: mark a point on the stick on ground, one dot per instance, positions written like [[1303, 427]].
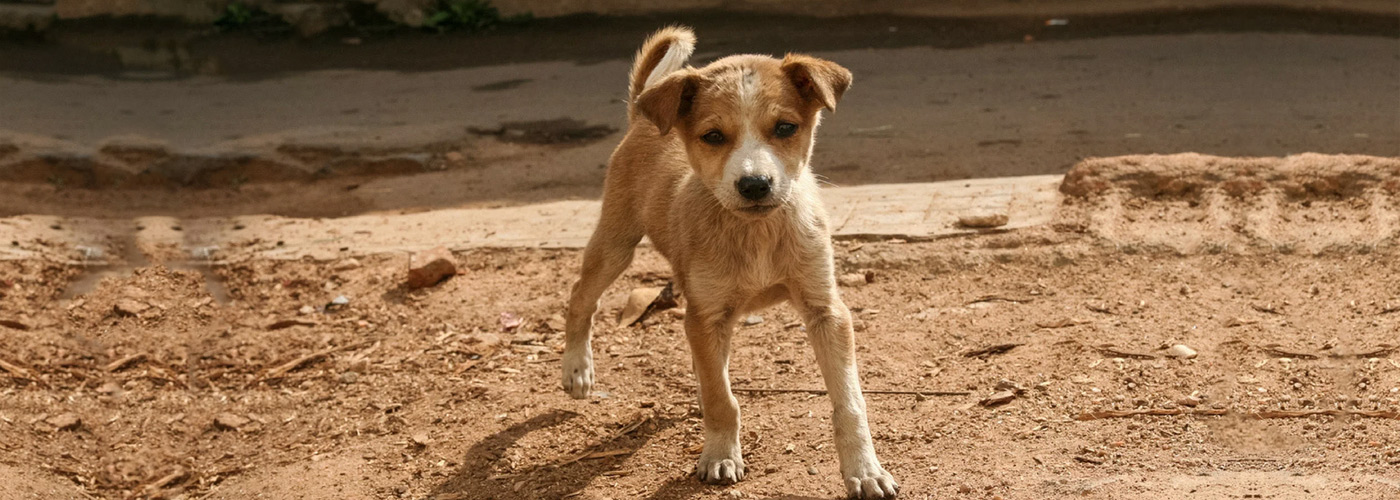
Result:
[[284, 368], [823, 391]]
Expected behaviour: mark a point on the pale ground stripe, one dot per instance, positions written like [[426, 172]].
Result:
[[913, 211]]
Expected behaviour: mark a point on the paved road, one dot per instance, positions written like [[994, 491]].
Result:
[[917, 113]]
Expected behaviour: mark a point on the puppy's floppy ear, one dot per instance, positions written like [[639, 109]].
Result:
[[816, 79], [669, 100]]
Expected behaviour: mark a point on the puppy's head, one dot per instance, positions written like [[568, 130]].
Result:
[[747, 122]]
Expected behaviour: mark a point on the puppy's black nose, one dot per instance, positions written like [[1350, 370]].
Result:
[[754, 187]]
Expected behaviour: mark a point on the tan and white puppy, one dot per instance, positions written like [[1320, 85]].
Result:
[[715, 170]]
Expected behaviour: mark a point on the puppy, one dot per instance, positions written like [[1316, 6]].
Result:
[[714, 169]]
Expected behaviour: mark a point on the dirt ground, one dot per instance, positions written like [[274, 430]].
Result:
[[245, 380]]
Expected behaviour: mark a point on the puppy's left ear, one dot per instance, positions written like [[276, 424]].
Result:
[[816, 79]]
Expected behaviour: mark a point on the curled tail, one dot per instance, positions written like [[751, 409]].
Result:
[[664, 52]]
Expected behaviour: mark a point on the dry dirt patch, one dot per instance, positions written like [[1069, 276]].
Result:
[[149, 386]]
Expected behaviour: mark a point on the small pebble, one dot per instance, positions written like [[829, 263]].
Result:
[[812, 469], [1181, 351], [981, 221]]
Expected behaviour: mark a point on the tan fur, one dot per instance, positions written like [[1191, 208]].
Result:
[[730, 255]]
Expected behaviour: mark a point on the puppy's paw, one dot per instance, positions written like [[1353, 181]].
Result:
[[721, 467], [578, 374], [870, 482]]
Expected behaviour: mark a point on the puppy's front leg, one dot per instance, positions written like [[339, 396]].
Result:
[[829, 330], [709, 332], [608, 253]]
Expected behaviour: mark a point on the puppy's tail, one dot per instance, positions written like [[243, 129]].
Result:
[[663, 53]]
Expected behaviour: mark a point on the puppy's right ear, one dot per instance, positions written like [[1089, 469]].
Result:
[[670, 100]]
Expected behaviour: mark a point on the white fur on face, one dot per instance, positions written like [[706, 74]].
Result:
[[753, 156]]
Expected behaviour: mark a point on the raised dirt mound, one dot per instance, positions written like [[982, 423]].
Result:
[[1188, 203]]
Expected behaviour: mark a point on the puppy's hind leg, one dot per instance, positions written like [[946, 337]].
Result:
[[609, 252]]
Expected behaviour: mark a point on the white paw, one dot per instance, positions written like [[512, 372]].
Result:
[[721, 467], [870, 481], [578, 373]]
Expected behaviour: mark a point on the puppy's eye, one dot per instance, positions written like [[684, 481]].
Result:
[[713, 137], [784, 129]]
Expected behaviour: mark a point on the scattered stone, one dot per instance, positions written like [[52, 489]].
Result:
[[349, 378], [998, 399], [65, 422], [964, 488], [15, 324], [421, 439], [983, 221], [129, 307], [852, 280], [1181, 351], [812, 470], [338, 303], [509, 322], [789, 448], [306, 310], [1007, 385], [230, 422], [485, 339], [753, 319], [430, 267], [347, 264]]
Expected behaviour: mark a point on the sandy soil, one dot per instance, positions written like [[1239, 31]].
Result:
[[243, 381]]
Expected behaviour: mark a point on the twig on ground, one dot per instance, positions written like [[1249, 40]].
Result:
[[990, 350], [1277, 350], [19, 371], [999, 298], [823, 391], [123, 362], [1308, 413], [1113, 351], [1095, 415], [591, 453], [284, 368]]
